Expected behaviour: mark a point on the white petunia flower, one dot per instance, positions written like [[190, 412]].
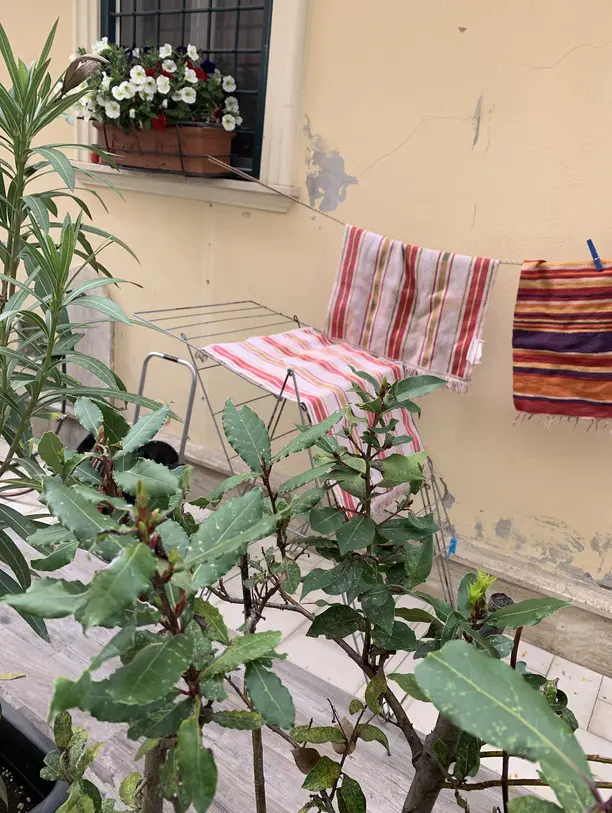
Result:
[[148, 96], [163, 85], [136, 53], [229, 122], [239, 120], [165, 51], [216, 78], [231, 104], [101, 101], [106, 80], [192, 53], [229, 84], [165, 103], [138, 75], [118, 92], [150, 85], [190, 76], [129, 91], [132, 112], [176, 96], [112, 110], [100, 45], [169, 65], [188, 95]]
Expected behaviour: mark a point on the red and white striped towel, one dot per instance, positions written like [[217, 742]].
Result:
[[324, 378], [422, 307]]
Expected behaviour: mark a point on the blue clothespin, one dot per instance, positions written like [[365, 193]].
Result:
[[595, 255], [452, 548]]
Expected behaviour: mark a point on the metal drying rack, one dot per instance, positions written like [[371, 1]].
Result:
[[198, 325]]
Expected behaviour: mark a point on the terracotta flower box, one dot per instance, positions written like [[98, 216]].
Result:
[[177, 148]]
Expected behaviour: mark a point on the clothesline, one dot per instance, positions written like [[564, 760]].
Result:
[[248, 177]]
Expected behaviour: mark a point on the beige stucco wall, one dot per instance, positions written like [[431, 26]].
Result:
[[476, 127]]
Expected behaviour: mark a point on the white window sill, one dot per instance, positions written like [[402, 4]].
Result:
[[245, 194]]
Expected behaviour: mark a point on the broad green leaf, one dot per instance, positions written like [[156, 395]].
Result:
[[416, 386], [398, 469], [163, 722], [350, 796], [356, 534], [243, 649], [574, 794], [215, 624], [226, 533], [117, 645], [355, 706], [324, 775], [115, 425], [269, 696], [375, 691], [467, 759], [9, 587], [127, 789], [13, 557], [212, 688], [155, 477], [408, 683], [502, 644], [418, 561], [442, 608], [317, 734], [316, 473], [303, 502], [532, 804], [119, 585], [75, 513], [243, 720], [379, 607], [174, 537], [402, 637], [371, 733], [202, 646], [463, 604], [51, 449], [144, 430], [408, 529], [525, 613], [308, 437], [247, 435], [293, 575], [197, 765], [336, 581], [337, 621], [488, 699], [62, 555], [228, 485], [326, 520], [153, 672], [414, 614], [49, 598]]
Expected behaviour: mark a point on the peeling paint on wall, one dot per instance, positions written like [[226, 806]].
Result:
[[476, 120], [503, 528], [327, 180]]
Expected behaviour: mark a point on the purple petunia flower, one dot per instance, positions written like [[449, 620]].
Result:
[[208, 66]]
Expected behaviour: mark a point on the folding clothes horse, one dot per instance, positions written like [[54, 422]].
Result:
[[395, 310]]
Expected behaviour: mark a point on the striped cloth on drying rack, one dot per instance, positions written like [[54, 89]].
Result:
[[562, 340], [324, 378], [422, 307]]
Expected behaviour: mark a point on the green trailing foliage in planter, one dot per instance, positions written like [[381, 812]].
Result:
[[42, 255], [178, 662]]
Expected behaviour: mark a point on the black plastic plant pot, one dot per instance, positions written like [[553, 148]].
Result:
[[156, 450], [23, 749]]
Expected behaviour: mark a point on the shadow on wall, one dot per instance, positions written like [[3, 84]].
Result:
[[326, 181]]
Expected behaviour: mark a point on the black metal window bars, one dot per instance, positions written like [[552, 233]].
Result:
[[235, 34]]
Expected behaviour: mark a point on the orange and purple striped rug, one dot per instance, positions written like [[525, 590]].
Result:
[[562, 340], [422, 307]]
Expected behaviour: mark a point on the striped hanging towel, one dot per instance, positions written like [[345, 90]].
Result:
[[422, 307], [562, 340], [324, 379]]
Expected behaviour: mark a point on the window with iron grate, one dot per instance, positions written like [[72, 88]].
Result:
[[235, 34]]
